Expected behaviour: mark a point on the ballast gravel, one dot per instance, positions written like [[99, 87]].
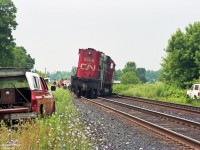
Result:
[[107, 132]]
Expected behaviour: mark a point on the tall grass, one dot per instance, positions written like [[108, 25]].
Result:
[[63, 130], [157, 91]]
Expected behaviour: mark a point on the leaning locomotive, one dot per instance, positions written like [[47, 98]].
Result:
[[94, 74]]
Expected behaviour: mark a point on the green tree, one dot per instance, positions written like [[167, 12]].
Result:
[[141, 73], [152, 76], [20, 58], [7, 24], [129, 67], [40, 73], [117, 74], [129, 74], [74, 70], [181, 65], [11, 55], [129, 78]]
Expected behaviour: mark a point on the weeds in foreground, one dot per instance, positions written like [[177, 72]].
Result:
[[63, 130]]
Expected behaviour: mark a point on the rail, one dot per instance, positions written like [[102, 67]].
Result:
[[183, 140]]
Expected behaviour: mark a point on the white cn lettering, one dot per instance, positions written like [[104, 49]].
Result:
[[87, 67]]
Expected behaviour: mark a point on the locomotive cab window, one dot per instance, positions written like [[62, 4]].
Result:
[[111, 66]]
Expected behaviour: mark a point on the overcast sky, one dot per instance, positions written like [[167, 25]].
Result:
[[52, 31]]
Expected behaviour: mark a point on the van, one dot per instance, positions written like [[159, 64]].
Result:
[[194, 92]]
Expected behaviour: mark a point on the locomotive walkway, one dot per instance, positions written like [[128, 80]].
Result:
[[181, 131]]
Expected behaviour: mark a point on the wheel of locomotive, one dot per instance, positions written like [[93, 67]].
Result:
[[102, 92], [110, 91], [77, 92], [84, 93], [89, 93], [95, 93], [92, 93]]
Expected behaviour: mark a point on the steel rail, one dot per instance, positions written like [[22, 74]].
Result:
[[184, 140], [158, 114], [165, 104]]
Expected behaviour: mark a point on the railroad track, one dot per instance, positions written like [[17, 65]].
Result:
[[183, 111], [183, 132], [191, 109]]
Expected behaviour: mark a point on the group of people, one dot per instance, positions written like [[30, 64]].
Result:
[[62, 83]]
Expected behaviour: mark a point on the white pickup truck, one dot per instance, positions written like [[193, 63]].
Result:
[[194, 92]]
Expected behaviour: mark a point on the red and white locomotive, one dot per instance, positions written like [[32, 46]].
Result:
[[94, 74]]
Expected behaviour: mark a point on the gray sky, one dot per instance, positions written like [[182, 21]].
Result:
[[52, 31]]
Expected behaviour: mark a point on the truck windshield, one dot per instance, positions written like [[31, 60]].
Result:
[[13, 82]]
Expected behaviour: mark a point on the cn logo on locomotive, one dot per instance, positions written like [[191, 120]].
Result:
[[87, 67]]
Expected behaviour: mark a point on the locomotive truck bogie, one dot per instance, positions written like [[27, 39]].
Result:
[[84, 88]]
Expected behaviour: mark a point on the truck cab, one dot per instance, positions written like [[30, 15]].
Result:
[[194, 92], [23, 95]]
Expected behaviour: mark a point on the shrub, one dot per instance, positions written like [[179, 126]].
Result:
[[157, 91]]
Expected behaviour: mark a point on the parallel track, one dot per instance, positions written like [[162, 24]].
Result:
[[178, 110], [182, 131], [190, 109]]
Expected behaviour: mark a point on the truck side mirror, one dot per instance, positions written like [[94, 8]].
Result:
[[53, 88]]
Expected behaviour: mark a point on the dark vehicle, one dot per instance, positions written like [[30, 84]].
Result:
[[23, 95], [94, 74]]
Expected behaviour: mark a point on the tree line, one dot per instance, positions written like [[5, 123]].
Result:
[[130, 74], [182, 63], [11, 54]]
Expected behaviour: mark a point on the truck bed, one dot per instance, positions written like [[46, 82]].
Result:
[[14, 110]]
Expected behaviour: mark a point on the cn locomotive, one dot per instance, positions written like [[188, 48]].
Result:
[[94, 74]]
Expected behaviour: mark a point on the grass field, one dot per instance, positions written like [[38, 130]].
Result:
[[63, 130], [157, 91]]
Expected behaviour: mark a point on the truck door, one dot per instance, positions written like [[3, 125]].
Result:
[[48, 104], [191, 91]]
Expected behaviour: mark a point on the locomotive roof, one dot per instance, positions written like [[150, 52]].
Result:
[[92, 49]]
